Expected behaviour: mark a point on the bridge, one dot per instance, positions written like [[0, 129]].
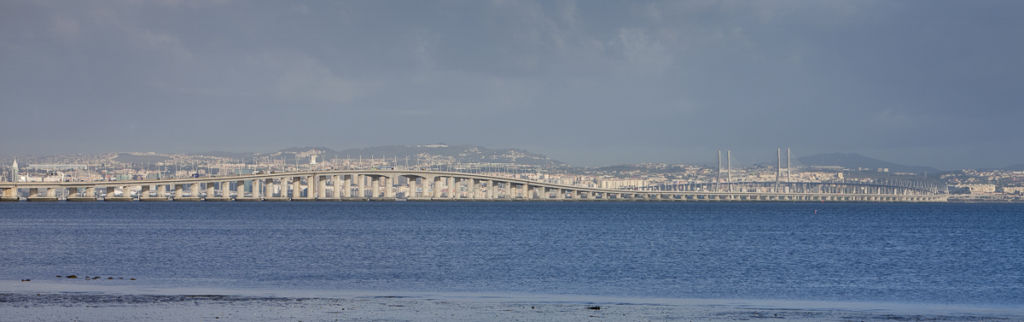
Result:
[[391, 185]]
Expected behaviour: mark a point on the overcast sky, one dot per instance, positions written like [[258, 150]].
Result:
[[934, 83]]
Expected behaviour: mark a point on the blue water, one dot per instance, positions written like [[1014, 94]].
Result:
[[926, 253]]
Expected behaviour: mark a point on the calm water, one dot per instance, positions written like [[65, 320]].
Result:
[[954, 253]]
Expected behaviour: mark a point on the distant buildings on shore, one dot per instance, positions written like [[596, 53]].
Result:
[[967, 183]]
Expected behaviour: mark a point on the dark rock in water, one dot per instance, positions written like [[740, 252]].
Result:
[[595, 307], [26, 280], [110, 278], [58, 276], [132, 278], [72, 276]]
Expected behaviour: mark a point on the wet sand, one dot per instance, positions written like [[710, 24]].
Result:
[[46, 301]]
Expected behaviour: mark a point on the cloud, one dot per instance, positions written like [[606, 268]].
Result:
[[658, 72], [642, 51], [180, 3], [301, 78], [163, 43], [65, 27]]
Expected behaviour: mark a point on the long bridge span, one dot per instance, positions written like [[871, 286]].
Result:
[[387, 185]]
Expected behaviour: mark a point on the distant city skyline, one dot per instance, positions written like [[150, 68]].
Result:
[[403, 152], [590, 83]]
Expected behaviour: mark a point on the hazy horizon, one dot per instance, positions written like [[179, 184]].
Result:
[[710, 161], [589, 83]]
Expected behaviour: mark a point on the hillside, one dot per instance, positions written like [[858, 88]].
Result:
[[855, 161], [450, 153]]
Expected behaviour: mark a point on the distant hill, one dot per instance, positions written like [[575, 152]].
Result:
[[854, 161], [644, 167], [1015, 167], [223, 154], [452, 153], [140, 158]]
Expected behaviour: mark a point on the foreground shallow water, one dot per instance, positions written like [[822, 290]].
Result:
[[908, 253]]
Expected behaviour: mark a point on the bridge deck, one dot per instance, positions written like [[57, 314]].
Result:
[[419, 185]]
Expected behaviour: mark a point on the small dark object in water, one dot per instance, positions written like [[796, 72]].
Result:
[[132, 278], [58, 276], [72, 276], [110, 278], [26, 280], [95, 277], [120, 278], [595, 307], [533, 308]]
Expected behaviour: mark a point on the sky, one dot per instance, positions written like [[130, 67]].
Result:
[[933, 83]]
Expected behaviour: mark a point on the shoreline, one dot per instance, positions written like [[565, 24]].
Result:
[[61, 301]]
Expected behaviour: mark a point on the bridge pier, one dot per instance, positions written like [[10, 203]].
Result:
[[50, 194], [389, 185], [453, 187], [269, 189], [145, 191], [336, 182], [296, 189], [9, 194], [178, 192], [321, 188], [375, 184], [446, 193], [254, 188], [434, 185], [360, 186], [211, 191], [346, 186], [111, 194], [75, 194], [412, 185], [161, 192]]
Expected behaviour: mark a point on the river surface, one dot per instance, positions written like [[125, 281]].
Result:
[[912, 253]]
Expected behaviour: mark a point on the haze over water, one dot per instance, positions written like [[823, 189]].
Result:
[[916, 253]]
